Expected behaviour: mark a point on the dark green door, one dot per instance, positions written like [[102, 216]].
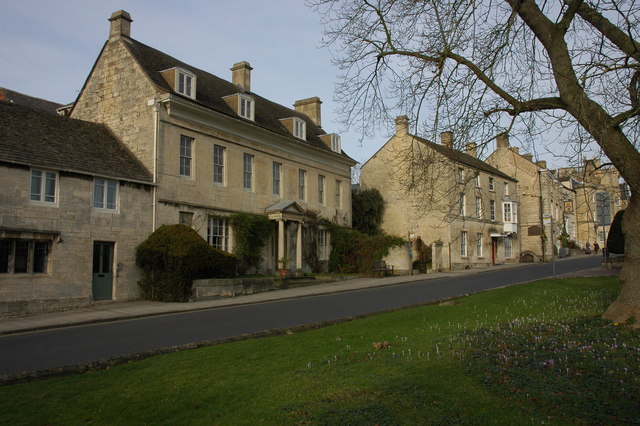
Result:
[[102, 271]]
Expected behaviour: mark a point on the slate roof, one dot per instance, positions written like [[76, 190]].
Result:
[[36, 138], [26, 100], [464, 158], [210, 91]]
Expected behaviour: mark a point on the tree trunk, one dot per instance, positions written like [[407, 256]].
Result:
[[627, 305]]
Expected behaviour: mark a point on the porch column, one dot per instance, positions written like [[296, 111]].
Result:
[[299, 248], [281, 252]]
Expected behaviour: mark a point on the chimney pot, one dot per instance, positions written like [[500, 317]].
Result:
[[310, 107], [446, 139], [502, 141], [402, 125], [241, 75], [120, 25]]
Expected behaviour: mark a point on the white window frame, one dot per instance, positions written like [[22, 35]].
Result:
[[463, 243], [186, 156], [321, 182], [336, 143], [101, 192], [463, 202], [338, 193], [219, 158], [506, 189], [247, 171], [322, 244], [302, 184], [277, 178], [476, 179], [508, 248], [187, 80], [492, 185], [506, 213], [220, 240], [299, 128], [45, 195], [479, 213], [492, 210], [479, 244], [461, 175], [246, 107]]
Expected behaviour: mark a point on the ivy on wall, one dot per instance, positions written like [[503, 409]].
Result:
[[251, 233]]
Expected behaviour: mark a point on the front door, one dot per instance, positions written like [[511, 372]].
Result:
[[102, 271]]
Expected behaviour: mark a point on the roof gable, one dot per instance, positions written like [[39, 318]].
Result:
[[36, 138]]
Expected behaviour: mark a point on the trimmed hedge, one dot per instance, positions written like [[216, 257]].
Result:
[[615, 239], [175, 255]]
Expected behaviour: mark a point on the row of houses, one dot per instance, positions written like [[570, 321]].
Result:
[[151, 140]]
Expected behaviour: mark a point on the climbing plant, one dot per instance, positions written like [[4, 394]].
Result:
[[368, 206], [250, 236]]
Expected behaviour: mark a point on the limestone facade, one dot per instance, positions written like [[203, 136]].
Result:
[[214, 147], [464, 208], [547, 207], [588, 181]]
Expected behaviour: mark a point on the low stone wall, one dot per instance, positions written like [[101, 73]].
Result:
[[22, 308]]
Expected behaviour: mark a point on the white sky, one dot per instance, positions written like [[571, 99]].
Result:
[[47, 48]]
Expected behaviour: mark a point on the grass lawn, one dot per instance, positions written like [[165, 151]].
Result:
[[526, 354]]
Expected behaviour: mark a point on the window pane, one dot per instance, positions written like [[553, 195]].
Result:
[[50, 188], [301, 184], [36, 184], [218, 164], [5, 252], [40, 256], [321, 189], [276, 178], [21, 257], [248, 171], [185, 155], [98, 194], [111, 194]]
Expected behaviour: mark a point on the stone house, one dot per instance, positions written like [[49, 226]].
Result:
[[547, 207], [464, 208], [600, 194], [74, 204], [215, 148]]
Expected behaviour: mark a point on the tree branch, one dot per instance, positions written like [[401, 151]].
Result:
[[567, 18]]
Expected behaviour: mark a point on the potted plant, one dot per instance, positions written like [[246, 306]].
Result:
[[282, 266]]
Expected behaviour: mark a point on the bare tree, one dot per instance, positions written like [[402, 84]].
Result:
[[484, 67]]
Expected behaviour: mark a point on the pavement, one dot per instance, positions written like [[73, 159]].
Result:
[[114, 311]]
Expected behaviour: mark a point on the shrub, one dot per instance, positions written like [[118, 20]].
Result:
[[353, 251], [367, 206], [251, 233], [175, 255]]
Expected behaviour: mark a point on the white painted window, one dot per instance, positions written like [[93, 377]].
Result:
[[302, 184], [336, 144], [186, 83], [320, 189], [506, 188], [479, 244], [218, 233], [476, 180], [492, 209], [463, 201], [277, 177], [218, 164], [185, 155], [508, 247], [478, 208], [105, 194], [506, 212], [323, 245], [338, 194], [44, 186], [246, 107], [461, 175], [492, 184], [247, 175], [463, 243], [299, 128]]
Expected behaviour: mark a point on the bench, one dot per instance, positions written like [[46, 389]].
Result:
[[381, 267]]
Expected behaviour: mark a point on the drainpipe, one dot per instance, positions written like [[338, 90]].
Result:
[[156, 128]]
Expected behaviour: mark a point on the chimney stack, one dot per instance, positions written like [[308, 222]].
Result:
[[241, 75], [120, 25], [472, 149], [402, 125], [310, 107], [446, 139], [502, 141]]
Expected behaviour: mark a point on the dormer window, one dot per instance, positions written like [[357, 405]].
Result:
[[336, 145], [299, 129], [181, 80], [246, 107], [185, 83]]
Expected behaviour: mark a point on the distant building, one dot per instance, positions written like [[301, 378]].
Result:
[[547, 207], [466, 209], [600, 194]]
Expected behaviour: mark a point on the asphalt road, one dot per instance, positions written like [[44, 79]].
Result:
[[70, 346]]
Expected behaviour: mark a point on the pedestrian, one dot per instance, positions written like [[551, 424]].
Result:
[[587, 249], [596, 247]]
